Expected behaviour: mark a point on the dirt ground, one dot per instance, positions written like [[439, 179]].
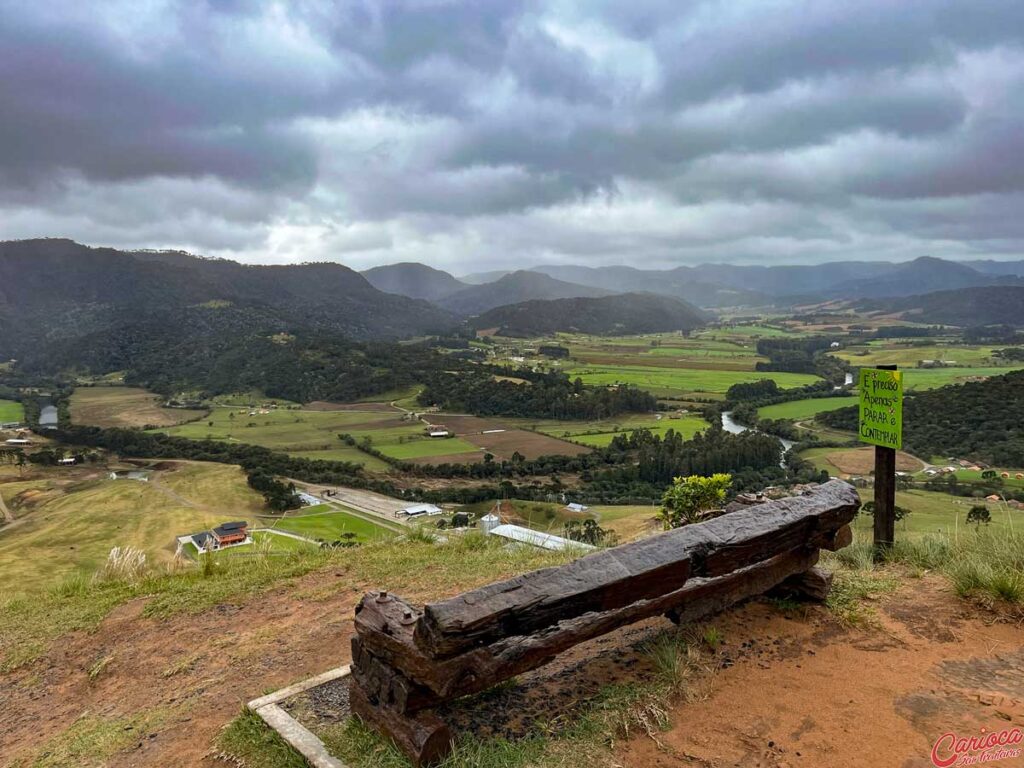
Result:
[[503, 443], [791, 690], [806, 692], [124, 407], [861, 461]]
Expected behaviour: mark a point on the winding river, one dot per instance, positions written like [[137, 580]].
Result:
[[729, 425]]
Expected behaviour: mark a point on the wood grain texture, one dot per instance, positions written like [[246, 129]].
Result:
[[638, 571]]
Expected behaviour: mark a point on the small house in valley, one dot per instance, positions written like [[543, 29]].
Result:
[[227, 534], [224, 535]]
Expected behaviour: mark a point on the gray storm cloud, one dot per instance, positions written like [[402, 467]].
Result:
[[476, 135]]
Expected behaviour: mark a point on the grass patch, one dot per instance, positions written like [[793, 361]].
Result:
[[588, 738], [985, 565], [90, 740], [29, 624], [331, 525], [71, 529], [804, 409], [11, 411], [681, 380], [851, 591], [248, 742]]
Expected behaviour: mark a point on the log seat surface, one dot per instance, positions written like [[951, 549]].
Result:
[[406, 661]]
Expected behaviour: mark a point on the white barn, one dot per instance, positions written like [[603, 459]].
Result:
[[536, 538], [416, 510]]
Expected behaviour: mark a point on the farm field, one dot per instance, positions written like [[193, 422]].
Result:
[[11, 411], [805, 409], [909, 355], [345, 453], [68, 520], [1012, 481], [504, 437], [855, 461], [314, 433], [932, 378], [940, 514], [330, 523], [687, 426], [124, 407], [668, 382], [664, 351]]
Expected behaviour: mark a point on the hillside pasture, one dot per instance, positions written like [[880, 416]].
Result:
[[308, 433], [124, 407], [68, 520], [805, 409], [11, 410], [940, 514]]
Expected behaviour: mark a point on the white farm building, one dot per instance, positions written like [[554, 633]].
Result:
[[417, 510], [534, 538]]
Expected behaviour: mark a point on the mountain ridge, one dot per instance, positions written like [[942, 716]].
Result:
[[619, 314]]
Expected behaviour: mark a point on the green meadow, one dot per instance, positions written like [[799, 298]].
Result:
[[804, 409], [932, 378], [314, 434], [329, 523], [933, 513], [682, 381], [11, 411]]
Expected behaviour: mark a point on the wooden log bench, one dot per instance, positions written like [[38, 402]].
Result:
[[408, 660]]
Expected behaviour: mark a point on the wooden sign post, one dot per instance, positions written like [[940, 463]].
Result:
[[881, 425]]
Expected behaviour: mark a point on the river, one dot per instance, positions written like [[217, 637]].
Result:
[[48, 416], [729, 425]]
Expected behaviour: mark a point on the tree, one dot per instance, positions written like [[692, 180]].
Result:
[[689, 499], [979, 514], [899, 513], [989, 474]]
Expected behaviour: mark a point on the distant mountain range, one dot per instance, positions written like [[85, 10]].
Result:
[[53, 290], [417, 281], [624, 313], [991, 305], [514, 288], [726, 285]]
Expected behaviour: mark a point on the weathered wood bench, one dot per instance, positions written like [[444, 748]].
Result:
[[406, 660]]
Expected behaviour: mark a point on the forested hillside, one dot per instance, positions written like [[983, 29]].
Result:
[[993, 305], [981, 420], [417, 281], [53, 290], [512, 289], [622, 314]]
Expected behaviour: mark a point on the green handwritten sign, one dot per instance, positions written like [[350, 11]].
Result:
[[881, 408]]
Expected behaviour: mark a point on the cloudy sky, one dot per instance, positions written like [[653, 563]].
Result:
[[497, 133]]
